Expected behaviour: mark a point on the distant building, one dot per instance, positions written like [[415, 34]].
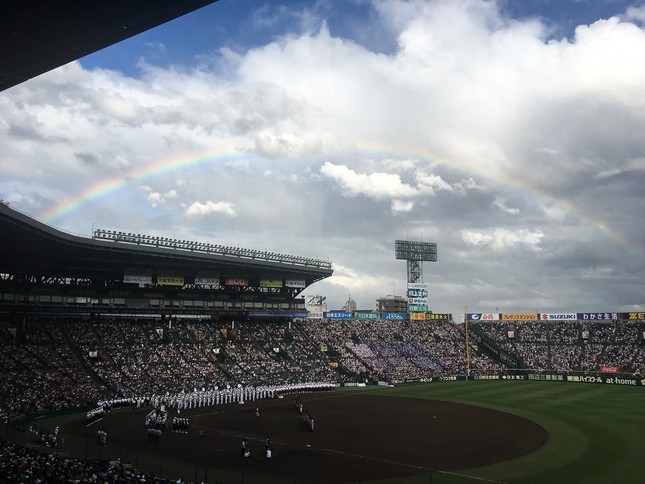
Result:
[[350, 305], [392, 304]]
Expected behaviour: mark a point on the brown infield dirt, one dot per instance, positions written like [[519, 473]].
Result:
[[357, 437]]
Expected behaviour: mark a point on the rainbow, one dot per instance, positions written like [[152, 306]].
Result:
[[179, 162], [105, 187], [519, 186]]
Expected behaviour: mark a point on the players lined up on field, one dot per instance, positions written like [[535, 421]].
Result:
[[238, 394]]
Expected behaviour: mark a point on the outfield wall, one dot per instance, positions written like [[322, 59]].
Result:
[[533, 376]]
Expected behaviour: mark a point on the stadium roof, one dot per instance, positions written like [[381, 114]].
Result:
[[39, 35], [31, 248]]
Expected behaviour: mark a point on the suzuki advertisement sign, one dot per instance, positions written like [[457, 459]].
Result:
[[558, 316]]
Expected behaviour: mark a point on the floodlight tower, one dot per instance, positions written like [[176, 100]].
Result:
[[415, 253]]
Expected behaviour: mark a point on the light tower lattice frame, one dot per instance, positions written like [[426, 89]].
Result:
[[415, 253]]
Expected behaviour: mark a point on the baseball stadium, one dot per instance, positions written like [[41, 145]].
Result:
[[134, 358]]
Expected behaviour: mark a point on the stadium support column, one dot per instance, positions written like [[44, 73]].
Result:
[[415, 271]]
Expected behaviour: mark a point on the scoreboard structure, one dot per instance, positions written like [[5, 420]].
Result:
[[415, 253]]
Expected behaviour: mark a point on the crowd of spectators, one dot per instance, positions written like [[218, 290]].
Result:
[[568, 346], [69, 363], [23, 464]]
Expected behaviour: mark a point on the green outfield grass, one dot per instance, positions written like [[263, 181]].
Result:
[[596, 432]]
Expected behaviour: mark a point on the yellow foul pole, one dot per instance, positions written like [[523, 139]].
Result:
[[467, 341]]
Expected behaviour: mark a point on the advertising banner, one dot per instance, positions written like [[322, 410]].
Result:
[[137, 279], [236, 281], [270, 283], [558, 316], [482, 316], [338, 315], [170, 280], [609, 369], [316, 301], [394, 316], [298, 283], [417, 285], [207, 279], [417, 293], [438, 317], [519, 317], [598, 316], [633, 316], [418, 300], [365, 315], [417, 316], [418, 308]]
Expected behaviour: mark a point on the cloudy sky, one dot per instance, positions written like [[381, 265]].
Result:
[[512, 134]]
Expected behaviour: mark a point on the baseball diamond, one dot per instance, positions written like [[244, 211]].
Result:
[[358, 436]]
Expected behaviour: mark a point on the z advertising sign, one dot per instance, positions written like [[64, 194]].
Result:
[[236, 281], [417, 316], [315, 301], [482, 316], [633, 316]]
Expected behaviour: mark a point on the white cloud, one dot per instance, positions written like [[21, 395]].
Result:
[[402, 206], [467, 106], [198, 209], [501, 239], [374, 185], [156, 199], [635, 13], [379, 185], [430, 184], [500, 204]]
